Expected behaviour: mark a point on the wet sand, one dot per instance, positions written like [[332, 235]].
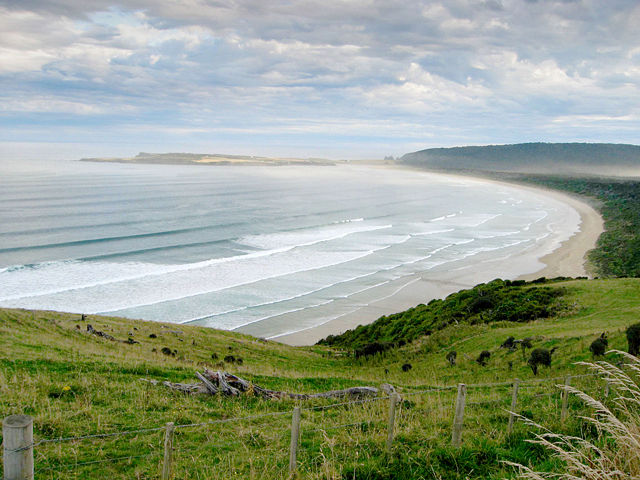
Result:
[[568, 259]]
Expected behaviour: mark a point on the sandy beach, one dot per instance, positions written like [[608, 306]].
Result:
[[567, 259]]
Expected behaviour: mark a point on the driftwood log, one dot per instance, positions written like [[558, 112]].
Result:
[[226, 383]]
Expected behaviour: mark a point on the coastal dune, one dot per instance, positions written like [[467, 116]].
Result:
[[567, 259]]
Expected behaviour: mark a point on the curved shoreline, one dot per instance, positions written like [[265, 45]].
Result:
[[568, 259]]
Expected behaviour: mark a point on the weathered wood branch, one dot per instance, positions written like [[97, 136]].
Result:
[[226, 383], [211, 388], [181, 387]]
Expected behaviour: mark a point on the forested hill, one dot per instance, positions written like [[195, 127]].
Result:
[[556, 158]]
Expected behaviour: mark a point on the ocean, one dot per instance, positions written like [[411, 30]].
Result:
[[239, 247]]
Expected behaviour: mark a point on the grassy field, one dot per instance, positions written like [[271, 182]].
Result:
[[76, 384]]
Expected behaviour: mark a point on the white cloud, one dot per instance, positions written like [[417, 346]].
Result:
[[44, 104], [420, 91], [13, 60], [460, 66], [581, 119], [522, 78]]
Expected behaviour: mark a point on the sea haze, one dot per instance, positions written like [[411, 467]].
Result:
[[232, 247]]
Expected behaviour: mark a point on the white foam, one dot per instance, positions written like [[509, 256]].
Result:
[[353, 310], [459, 220], [180, 283], [307, 237], [350, 220], [283, 299], [58, 277]]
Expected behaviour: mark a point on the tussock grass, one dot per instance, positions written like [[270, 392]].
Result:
[[609, 448]]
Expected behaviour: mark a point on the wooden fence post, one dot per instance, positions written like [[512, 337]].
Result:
[[456, 436], [295, 435], [393, 401], [565, 400], [168, 451], [514, 401], [17, 435]]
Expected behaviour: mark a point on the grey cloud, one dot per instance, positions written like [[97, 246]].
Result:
[[431, 62], [493, 5]]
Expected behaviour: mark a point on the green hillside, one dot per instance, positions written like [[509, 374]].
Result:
[[540, 158], [497, 301], [75, 383]]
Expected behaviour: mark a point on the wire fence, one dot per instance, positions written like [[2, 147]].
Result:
[[305, 433]]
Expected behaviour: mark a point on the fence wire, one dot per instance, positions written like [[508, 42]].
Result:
[[318, 408]]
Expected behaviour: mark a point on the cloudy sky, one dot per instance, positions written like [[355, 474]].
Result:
[[332, 78]]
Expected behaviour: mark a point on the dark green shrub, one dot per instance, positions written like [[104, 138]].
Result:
[[633, 337]]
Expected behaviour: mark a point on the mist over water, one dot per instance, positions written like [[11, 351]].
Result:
[[227, 247]]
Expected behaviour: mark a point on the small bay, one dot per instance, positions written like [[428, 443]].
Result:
[[233, 247]]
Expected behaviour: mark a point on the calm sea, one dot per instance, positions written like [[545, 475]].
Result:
[[230, 246]]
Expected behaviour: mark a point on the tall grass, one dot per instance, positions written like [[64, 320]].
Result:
[[609, 447]]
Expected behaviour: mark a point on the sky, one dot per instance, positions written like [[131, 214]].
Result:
[[313, 78]]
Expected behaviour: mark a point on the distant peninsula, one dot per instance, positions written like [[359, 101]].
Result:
[[210, 159], [533, 158]]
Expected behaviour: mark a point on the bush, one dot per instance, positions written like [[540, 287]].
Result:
[[371, 349], [633, 337], [451, 357], [599, 346], [508, 343], [483, 357], [540, 356], [495, 301]]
